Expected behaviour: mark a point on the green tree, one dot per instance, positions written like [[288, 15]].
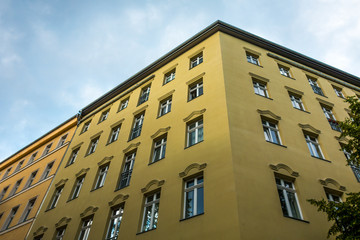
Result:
[[346, 215]]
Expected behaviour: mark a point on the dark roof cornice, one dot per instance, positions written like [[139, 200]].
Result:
[[206, 33]]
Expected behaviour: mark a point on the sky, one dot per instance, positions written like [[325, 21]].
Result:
[[58, 56]]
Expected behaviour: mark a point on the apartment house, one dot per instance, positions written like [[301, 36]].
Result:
[[224, 137], [25, 177]]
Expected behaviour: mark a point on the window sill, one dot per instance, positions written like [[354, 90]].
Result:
[[162, 115], [95, 189], [193, 144], [288, 77], [256, 64], [110, 142], [133, 138], [156, 161], [71, 199], [298, 219], [189, 100], [322, 159], [321, 95], [302, 110], [264, 96], [183, 219], [146, 231], [277, 144], [117, 189]]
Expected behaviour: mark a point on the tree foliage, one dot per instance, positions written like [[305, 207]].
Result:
[[346, 215]]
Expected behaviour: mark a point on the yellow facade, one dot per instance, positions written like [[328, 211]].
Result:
[[214, 138], [26, 177]]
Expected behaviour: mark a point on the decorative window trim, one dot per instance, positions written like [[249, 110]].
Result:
[[170, 68], [82, 172], [107, 109], [342, 140], [194, 114], [196, 52], [155, 182], [160, 131], [193, 80], [268, 114], [197, 166], [88, 211], [327, 181], [61, 182], [163, 97], [259, 78], [310, 129], [328, 104], [62, 222], [96, 135], [252, 51], [131, 147], [118, 199], [117, 123], [294, 91], [280, 166], [140, 110], [40, 231], [336, 85], [106, 160], [76, 146]]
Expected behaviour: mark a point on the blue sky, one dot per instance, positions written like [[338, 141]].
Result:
[[58, 56]]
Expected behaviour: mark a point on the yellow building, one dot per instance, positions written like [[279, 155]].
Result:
[[224, 137], [25, 178]]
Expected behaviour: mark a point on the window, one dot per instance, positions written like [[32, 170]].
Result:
[[331, 118], [93, 145], [10, 218], [77, 187], [27, 210], [6, 173], [195, 90], [73, 156], [62, 140], [101, 176], [285, 71], [85, 229], [47, 171], [3, 192], [271, 132], [314, 146], [31, 179], [47, 149], [104, 116], [169, 76], [151, 209], [288, 198], [165, 106], [138, 122], [15, 188], [195, 132], [86, 127], [144, 96], [260, 89], [114, 133], [56, 197], [40, 237], [194, 197], [159, 149], [355, 169], [314, 85], [338, 92], [32, 158], [333, 197], [19, 165], [60, 232], [123, 104], [127, 170], [296, 102], [196, 60], [252, 58], [114, 224]]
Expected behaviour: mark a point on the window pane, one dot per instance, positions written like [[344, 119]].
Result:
[[189, 204], [200, 200], [293, 205], [200, 135], [282, 202]]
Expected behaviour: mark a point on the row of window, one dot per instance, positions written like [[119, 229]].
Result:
[[32, 158], [29, 182]]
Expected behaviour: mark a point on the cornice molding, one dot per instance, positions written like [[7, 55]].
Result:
[[269, 114], [82, 172], [328, 181], [132, 146], [63, 221], [197, 166], [158, 132], [61, 182], [118, 199], [309, 128], [193, 114], [155, 182], [279, 166], [41, 230], [88, 211], [105, 160]]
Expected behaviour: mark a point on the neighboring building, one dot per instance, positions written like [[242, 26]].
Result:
[[224, 137], [25, 178]]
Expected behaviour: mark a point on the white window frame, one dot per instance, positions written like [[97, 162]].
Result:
[[123, 104], [196, 90], [285, 190], [31, 179], [3, 192], [195, 188], [296, 102], [169, 76], [73, 156], [328, 113], [285, 71], [47, 149], [269, 128], [10, 218], [93, 144], [103, 170], [104, 115], [252, 58], [338, 92], [77, 188], [114, 135], [260, 89], [198, 124], [62, 140], [137, 126], [159, 146], [85, 228], [165, 106], [18, 167], [314, 146], [47, 170], [155, 202], [333, 197], [32, 158], [56, 197], [196, 60], [27, 210], [6, 174], [144, 95], [127, 169], [60, 233], [86, 127], [115, 221], [15, 187]]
